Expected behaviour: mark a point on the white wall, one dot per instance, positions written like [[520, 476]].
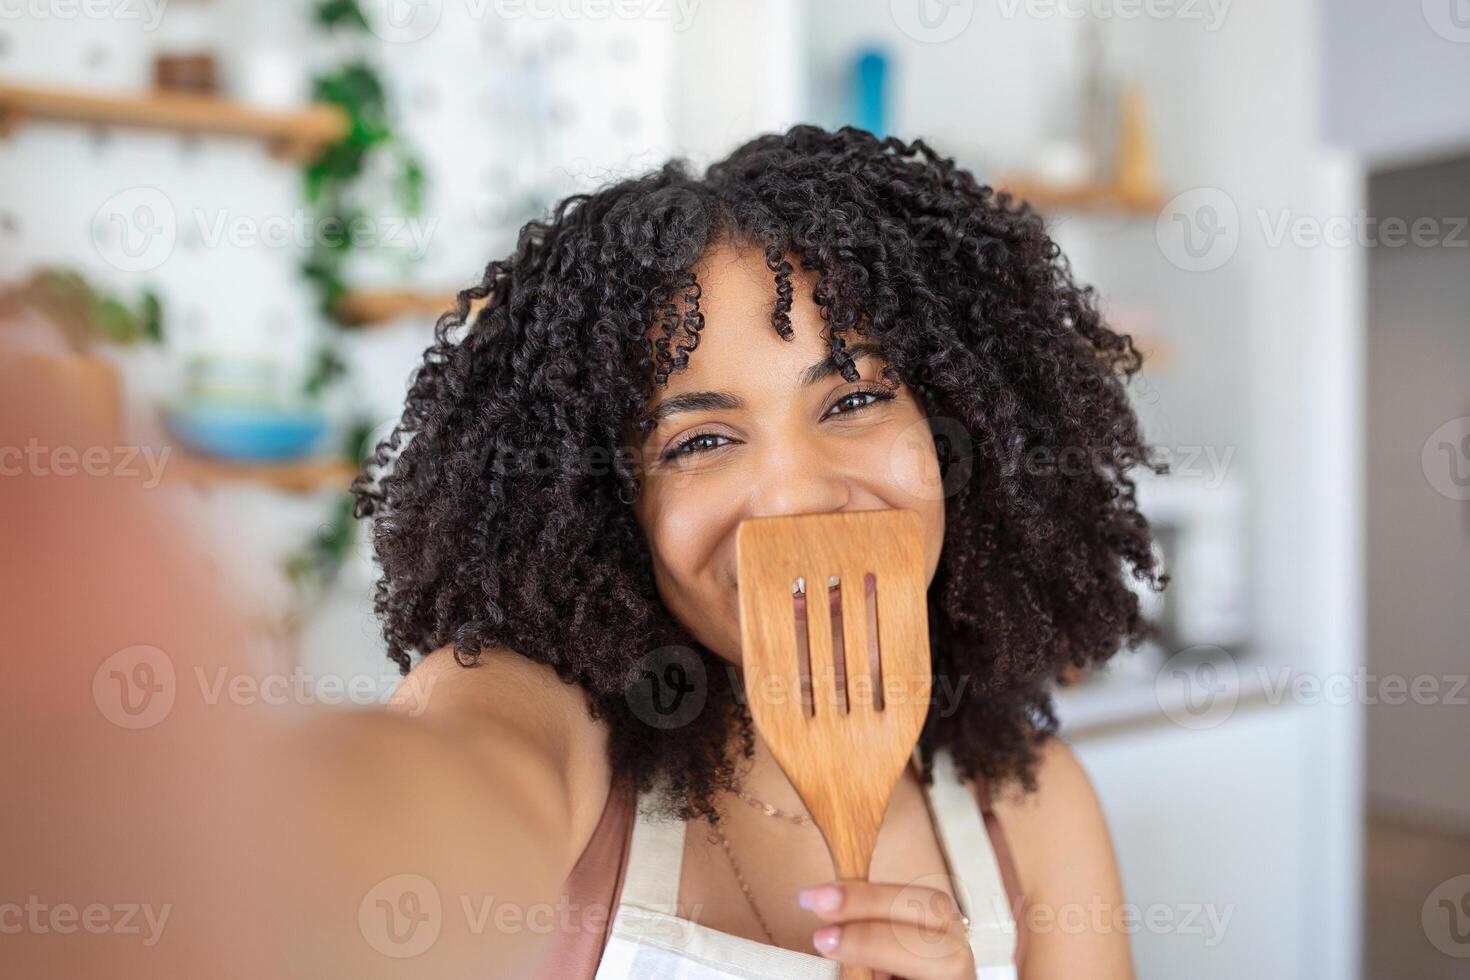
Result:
[[1395, 76], [1205, 827], [740, 70]]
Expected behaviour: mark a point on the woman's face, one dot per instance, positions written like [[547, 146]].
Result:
[[774, 430]]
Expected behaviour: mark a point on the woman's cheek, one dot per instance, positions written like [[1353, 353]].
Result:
[[909, 466], [685, 534]]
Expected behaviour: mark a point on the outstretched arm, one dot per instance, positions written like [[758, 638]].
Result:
[[156, 826]]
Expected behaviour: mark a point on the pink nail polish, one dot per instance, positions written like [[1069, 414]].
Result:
[[822, 899], [825, 938]]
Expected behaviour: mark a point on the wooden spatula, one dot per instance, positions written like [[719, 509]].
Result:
[[841, 721]]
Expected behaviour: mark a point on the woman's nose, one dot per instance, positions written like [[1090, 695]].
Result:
[[798, 480]]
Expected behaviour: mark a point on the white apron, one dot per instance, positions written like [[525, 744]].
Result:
[[648, 941]]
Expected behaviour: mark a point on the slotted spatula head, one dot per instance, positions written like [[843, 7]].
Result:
[[844, 738]]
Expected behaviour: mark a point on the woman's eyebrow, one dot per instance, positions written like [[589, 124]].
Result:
[[696, 401], [710, 401], [824, 369]]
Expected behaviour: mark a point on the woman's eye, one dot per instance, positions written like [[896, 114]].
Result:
[[694, 445], [854, 399]]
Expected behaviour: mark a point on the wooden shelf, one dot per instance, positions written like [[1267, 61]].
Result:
[[1132, 190], [297, 476], [1089, 198], [367, 307], [295, 135]]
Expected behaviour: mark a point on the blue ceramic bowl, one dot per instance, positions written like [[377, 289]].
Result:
[[247, 432]]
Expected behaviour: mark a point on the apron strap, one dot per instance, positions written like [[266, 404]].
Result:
[[655, 860], [983, 894]]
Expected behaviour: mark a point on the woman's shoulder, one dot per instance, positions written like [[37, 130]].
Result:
[[1058, 834], [507, 702]]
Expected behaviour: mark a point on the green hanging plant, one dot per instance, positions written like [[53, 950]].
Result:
[[314, 566], [340, 13], [331, 178], [326, 367]]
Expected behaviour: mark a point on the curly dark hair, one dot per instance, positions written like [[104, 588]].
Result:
[[501, 501]]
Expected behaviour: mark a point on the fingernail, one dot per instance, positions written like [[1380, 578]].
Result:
[[823, 899], [826, 938]]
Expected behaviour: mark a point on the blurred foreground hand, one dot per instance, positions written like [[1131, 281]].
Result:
[[150, 830]]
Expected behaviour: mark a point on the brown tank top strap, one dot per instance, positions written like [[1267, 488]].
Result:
[[1003, 857], [590, 895]]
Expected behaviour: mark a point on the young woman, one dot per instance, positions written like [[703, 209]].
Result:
[[823, 321]]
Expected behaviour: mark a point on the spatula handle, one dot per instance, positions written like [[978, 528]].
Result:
[[852, 840], [852, 859]]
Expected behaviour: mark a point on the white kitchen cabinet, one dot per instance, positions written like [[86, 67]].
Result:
[[1211, 827]]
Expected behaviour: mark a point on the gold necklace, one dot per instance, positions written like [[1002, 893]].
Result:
[[724, 843], [800, 819]]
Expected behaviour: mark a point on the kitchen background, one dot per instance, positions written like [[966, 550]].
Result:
[[236, 222]]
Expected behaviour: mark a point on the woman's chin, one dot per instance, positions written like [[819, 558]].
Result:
[[727, 649]]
